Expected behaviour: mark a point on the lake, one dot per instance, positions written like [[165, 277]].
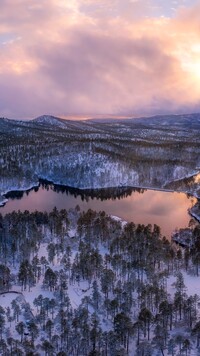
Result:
[[169, 210]]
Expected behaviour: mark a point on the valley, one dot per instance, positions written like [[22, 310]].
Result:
[[85, 267]]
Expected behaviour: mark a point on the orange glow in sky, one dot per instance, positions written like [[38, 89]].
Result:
[[86, 57]]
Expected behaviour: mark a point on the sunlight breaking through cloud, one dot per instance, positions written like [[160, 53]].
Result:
[[95, 57]]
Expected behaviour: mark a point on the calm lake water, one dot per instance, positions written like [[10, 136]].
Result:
[[166, 209]]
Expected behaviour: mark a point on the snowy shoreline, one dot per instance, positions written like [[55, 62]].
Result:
[[16, 189], [195, 216], [36, 185]]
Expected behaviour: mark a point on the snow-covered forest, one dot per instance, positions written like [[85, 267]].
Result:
[[87, 284], [87, 154], [84, 283]]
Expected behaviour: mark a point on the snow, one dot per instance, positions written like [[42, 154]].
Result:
[[191, 282], [117, 218], [3, 201], [50, 120], [7, 298], [77, 292], [180, 172], [20, 186], [196, 216], [88, 169], [72, 232]]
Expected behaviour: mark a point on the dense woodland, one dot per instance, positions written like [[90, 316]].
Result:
[[90, 155], [83, 283], [89, 284]]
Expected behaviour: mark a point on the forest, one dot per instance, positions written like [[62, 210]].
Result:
[[90, 155], [88, 284]]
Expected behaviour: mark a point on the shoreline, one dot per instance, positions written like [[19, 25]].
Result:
[[30, 187], [85, 189], [45, 180], [13, 189], [195, 216]]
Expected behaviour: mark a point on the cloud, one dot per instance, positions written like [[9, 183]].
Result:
[[66, 58]]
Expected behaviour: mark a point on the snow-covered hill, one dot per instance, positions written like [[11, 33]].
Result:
[[50, 121], [157, 152]]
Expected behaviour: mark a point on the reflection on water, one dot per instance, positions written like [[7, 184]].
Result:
[[166, 209]]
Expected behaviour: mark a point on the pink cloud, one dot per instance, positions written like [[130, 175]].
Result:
[[65, 60]]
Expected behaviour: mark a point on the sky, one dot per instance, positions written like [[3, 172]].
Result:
[[99, 57]]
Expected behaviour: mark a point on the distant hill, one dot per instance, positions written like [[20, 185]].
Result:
[[180, 120], [157, 152]]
